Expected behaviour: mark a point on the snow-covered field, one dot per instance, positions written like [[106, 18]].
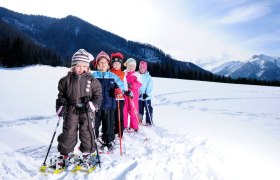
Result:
[[202, 131]]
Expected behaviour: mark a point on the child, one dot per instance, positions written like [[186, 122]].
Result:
[[79, 97], [111, 86], [131, 96], [116, 64], [146, 93]]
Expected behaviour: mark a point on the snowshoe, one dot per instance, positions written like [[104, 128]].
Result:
[[58, 163], [87, 163]]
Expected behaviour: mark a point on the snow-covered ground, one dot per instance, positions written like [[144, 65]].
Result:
[[202, 130]]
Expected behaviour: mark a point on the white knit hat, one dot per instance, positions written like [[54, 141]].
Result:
[[81, 56], [130, 61]]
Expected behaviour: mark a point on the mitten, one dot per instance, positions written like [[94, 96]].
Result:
[[145, 96], [129, 93], [61, 111], [85, 99], [118, 92]]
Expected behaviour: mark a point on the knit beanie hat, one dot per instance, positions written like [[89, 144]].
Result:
[[81, 56], [143, 65], [102, 54], [130, 61], [116, 57]]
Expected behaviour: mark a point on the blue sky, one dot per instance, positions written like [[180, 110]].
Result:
[[203, 32]]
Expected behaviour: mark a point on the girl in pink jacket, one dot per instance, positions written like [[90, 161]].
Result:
[[134, 83]]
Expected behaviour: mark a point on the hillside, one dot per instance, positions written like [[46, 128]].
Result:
[[66, 35]]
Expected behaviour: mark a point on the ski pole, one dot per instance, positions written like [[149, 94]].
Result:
[[98, 157], [135, 112], [94, 138], [43, 167], [152, 123], [119, 121]]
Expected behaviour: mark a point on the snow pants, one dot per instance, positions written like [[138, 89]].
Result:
[[130, 107], [143, 104], [107, 118], [75, 121]]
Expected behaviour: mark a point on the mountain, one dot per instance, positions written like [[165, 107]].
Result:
[[260, 67], [66, 35], [227, 68]]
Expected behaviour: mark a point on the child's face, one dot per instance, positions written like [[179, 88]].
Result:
[[142, 70], [131, 67], [117, 65], [80, 68], [103, 65]]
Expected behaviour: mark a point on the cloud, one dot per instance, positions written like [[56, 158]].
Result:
[[268, 42], [187, 30], [245, 13]]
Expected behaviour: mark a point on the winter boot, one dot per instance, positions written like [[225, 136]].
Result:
[[89, 160], [110, 147], [58, 162]]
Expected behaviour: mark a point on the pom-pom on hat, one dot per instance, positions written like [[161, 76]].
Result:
[[116, 57], [143, 65], [102, 54], [130, 61], [81, 56]]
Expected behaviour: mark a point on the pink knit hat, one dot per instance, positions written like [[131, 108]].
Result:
[[143, 65], [102, 54]]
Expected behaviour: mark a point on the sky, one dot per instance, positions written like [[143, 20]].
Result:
[[202, 131], [203, 32]]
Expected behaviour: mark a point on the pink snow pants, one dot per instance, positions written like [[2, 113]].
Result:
[[130, 107]]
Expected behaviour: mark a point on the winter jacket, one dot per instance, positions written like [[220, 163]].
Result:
[[109, 81], [122, 76], [147, 86], [73, 88], [134, 82]]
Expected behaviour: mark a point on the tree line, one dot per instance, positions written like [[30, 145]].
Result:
[[167, 71], [17, 52]]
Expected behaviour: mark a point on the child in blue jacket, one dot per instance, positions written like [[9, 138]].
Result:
[[146, 93], [112, 86]]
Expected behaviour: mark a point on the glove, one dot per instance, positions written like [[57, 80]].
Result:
[[145, 96], [61, 111], [60, 102], [85, 99], [118, 92], [129, 93], [60, 106]]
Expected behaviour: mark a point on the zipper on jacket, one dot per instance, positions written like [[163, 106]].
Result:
[[79, 89]]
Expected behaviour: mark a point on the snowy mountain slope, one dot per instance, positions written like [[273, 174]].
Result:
[[260, 59], [260, 67], [227, 68], [202, 130]]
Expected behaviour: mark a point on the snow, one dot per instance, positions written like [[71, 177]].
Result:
[[203, 130]]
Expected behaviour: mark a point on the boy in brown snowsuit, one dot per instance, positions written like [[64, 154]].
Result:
[[79, 97]]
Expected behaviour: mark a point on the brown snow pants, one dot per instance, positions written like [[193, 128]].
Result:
[[75, 121]]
